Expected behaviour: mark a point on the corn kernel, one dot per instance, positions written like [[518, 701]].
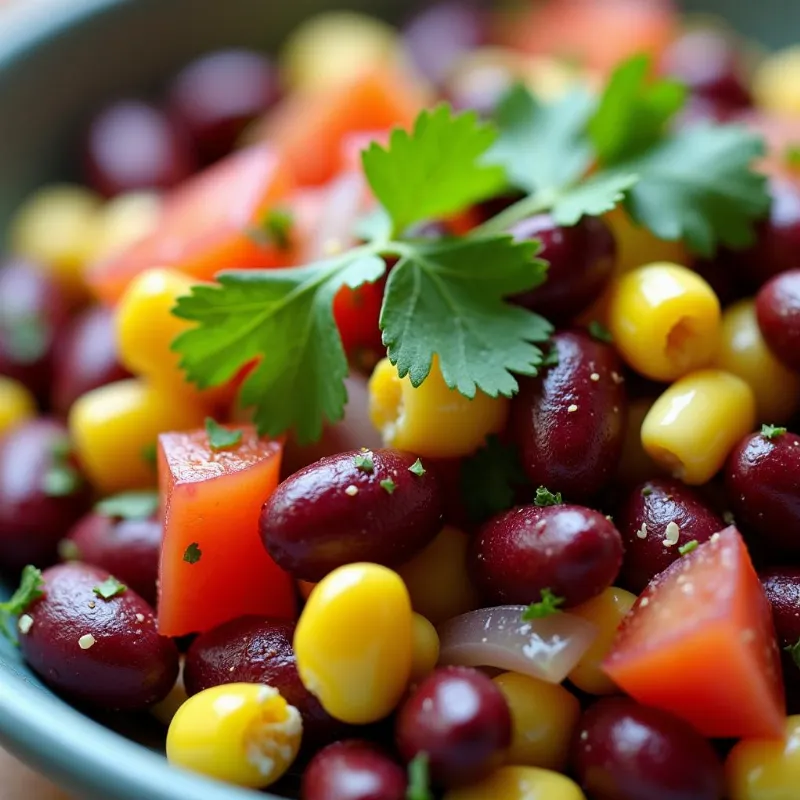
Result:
[[123, 220], [776, 82], [665, 320], [426, 648], [354, 642], [431, 420], [606, 611], [693, 426], [520, 783], [544, 716], [16, 403], [241, 733]]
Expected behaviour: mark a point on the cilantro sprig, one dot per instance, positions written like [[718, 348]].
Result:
[[31, 588], [546, 607]]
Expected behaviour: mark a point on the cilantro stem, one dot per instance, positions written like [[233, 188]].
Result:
[[528, 206]]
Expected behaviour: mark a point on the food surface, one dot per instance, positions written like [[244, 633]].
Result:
[[414, 414]]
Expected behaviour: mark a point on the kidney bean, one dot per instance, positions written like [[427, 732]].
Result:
[[624, 751], [258, 650], [655, 520], [573, 551], [85, 357], [354, 506], [580, 258], [33, 312], [353, 770], [461, 720], [569, 421], [782, 587], [778, 312], [42, 494], [128, 548], [762, 477], [105, 653]]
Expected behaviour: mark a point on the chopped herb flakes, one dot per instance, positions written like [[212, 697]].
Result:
[[363, 461], [220, 438], [31, 588], [544, 497], [794, 651], [109, 588], [419, 783], [193, 553], [388, 486], [599, 331], [61, 479], [772, 431], [546, 607], [417, 469], [688, 547], [129, 505]]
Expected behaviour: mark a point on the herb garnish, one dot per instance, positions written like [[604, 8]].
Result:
[[129, 505], [363, 461], [772, 431], [599, 331], [193, 553], [546, 607], [109, 588], [419, 782], [417, 469], [61, 479], [220, 438], [275, 229], [388, 485], [30, 589], [688, 547], [544, 497], [794, 651]]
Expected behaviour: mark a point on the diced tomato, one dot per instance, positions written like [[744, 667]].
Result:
[[309, 128], [213, 565], [357, 312], [205, 224], [700, 643]]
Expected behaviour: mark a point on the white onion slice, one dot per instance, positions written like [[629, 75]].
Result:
[[547, 648]]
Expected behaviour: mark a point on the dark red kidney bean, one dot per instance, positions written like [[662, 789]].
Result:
[[778, 312], [642, 520], [33, 313], [573, 551], [762, 480], [128, 548], [85, 357], [625, 751], [461, 720], [258, 650], [718, 274], [581, 260], [710, 64], [569, 421], [335, 512], [353, 770], [104, 653], [133, 145], [42, 494], [216, 96]]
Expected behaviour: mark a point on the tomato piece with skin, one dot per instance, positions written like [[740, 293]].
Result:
[[206, 224], [700, 643], [214, 567]]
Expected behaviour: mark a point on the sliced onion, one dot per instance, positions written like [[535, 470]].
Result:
[[547, 648]]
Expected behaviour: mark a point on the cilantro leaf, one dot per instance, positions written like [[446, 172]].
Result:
[[772, 431], [363, 462], [633, 112], [221, 438], [419, 782], [446, 298], [374, 226], [546, 607], [129, 505], [544, 497], [592, 197], [275, 229], [697, 186], [109, 588], [599, 331], [31, 588], [489, 479], [388, 486], [435, 170], [284, 318], [794, 651], [193, 553], [417, 469]]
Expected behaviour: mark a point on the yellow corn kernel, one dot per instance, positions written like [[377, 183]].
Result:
[[112, 427], [354, 642], [776, 82], [125, 219], [693, 426], [520, 783], [426, 648], [744, 352], [665, 320], [333, 47], [57, 227], [635, 465], [606, 612], [16, 403], [240, 733], [437, 578], [544, 716], [431, 420], [759, 769], [637, 246]]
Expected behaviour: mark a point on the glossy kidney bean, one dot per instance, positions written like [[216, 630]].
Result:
[[353, 770], [569, 422], [461, 720], [216, 96], [33, 313], [656, 519], [258, 650], [581, 260], [782, 587], [105, 653], [573, 551], [128, 548], [625, 751], [85, 357], [762, 477], [778, 311], [354, 506], [42, 494], [133, 145]]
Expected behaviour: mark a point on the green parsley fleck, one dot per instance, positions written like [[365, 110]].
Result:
[[647, 491], [419, 782], [388, 486], [363, 461], [546, 607], [275, 229], [794, 651], [599, 331], [417, 469], [544, 497], [193, 553], [30, 589], [129, 505], [220, 438], [109, 588], [772, 431], [688, 547], [150, 454], [61, 479]]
